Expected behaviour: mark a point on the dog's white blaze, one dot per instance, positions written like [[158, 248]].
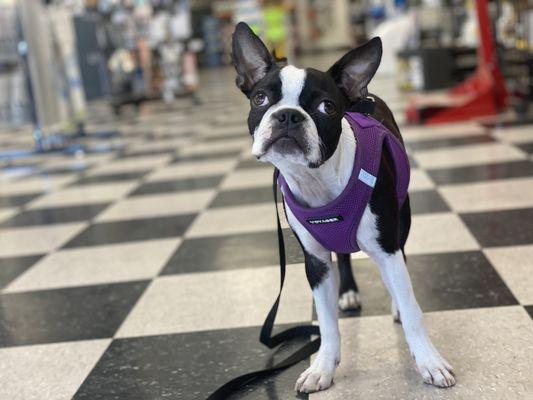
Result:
[[292, 83]]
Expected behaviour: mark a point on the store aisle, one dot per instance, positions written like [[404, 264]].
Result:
[[145, 272]]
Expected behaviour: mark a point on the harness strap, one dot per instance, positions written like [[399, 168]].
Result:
[[265, 337]]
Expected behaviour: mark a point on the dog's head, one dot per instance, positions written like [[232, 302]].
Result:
[[296, 113]]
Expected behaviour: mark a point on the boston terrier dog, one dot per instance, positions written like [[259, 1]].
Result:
[[298, 124]]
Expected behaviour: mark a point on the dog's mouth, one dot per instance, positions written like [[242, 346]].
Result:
[[284, 144]]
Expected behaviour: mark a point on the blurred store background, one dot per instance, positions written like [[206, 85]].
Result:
[[60, 57], [138, 246]]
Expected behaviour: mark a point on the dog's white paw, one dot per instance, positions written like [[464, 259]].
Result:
[[435, 370], [395, 313], [319, 376], [349, 300]]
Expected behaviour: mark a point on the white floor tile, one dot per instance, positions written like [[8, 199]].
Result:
[[218, 300], [439, 233], [514, 264], [420, 180], [432, 132], [96, 265], [37, 184], [222, 130], [36, 240], [215, 147], [514, 134], [84, 194], [248, 178], [491, 350], [491, 195], [476, 154], [228, 220], [193, 169], [157, 205], [132, 164], [6, 213], [47, 371]]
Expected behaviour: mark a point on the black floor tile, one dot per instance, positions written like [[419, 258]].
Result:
[[64, 170], [146, 153], [169, 186], [206, 156], [446, 281], [527, 147], [374, 297], [245, 164], [242, 196], [132, 230], [56, 215], [188, 366], [92, 179], [529, 310], [501, 228], [80, 313], [513, 169], [17, 200], [449, 142], [427, 201], [11, 268], [169, 136], [231, 252], [451, 281]]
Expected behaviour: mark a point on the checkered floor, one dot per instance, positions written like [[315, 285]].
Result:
[[144, 272]]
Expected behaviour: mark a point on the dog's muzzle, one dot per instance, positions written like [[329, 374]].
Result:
[[288, 130]]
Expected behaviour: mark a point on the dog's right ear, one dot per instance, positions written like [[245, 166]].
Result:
[[250, 57]]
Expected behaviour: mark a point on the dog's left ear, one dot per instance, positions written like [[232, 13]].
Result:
[[355, 69], [250, 57]]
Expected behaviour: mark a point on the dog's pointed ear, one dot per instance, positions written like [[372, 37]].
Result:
[[355, 69], [250, 57]]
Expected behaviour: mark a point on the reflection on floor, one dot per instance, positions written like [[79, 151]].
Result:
[[145, 273]]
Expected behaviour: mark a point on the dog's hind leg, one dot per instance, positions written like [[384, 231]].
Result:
[[323, 280], [348, 292]]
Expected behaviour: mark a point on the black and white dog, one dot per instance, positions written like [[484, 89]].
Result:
[[296, 120]]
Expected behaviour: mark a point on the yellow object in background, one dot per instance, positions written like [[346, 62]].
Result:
[[276, 29]]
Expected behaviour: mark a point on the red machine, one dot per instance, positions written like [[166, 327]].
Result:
[[483, 94]]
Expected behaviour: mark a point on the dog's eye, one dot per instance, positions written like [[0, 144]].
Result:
[[260, 99], [327, 107]]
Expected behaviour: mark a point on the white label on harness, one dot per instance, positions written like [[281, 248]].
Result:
[[367, 178]]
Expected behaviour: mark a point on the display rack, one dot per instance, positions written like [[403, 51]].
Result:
[[14, 102], [147, 52]]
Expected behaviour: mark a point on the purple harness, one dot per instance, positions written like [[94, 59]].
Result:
[[335, 225]]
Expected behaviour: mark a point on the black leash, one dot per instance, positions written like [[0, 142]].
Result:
[[366, 106], [265, 337]]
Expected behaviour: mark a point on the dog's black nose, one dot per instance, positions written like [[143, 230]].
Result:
[[289, 116]]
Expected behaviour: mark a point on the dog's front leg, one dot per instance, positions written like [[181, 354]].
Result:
[[324, 283], [432, 366]]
